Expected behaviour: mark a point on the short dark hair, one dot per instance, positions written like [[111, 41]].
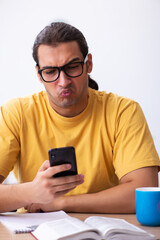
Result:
[[60, 32]]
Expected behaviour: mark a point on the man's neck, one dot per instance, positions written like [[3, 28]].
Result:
[[70, 111]]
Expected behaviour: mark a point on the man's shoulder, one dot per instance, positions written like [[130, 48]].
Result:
[[110, 98], [25, 103], [29, 99]]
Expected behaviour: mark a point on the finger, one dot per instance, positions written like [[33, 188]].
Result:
[[44, 166], [60, 181], [79, 178], [33, 208], [60, 194], [56, 169], [65, 187]]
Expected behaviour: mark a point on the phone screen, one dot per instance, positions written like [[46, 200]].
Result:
[[58, 156]]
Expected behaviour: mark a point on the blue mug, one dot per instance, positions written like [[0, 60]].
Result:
[[148, 206]]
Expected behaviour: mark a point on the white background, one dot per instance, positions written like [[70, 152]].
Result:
[[123, 36]]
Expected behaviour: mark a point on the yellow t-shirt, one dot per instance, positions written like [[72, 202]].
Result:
[[110, 136]]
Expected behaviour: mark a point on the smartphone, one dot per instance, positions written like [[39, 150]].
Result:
[[58, 156]]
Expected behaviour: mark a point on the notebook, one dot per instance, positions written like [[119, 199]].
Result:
[[28, 222]]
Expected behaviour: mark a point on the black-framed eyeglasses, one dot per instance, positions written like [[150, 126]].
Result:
[[72, 69]]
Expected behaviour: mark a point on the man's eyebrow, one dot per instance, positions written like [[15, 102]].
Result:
[[73, 60]]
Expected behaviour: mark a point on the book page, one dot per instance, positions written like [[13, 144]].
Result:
[[117, 227], [67, 228]]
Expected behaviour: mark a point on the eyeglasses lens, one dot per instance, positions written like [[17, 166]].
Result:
[[71, 70]]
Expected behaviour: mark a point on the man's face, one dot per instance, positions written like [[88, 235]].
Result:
[[68, 96]]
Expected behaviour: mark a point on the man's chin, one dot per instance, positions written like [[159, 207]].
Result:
[[66, 103]]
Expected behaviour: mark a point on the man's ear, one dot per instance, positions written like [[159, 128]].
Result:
[[38, 75], [89, 63]]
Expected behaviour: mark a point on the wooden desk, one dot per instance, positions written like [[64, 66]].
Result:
[[131, 218]]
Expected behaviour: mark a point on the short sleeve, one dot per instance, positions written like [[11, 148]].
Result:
[[9, 137], [134, 147]]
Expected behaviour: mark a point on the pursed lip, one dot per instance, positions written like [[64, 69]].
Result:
[[66, 92]]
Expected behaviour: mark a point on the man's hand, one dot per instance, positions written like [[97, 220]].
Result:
[[56, 205], [45, 188]]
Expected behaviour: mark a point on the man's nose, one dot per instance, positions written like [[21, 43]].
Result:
[[63, 80]]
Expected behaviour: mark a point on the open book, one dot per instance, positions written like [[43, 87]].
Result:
[[92, 228]]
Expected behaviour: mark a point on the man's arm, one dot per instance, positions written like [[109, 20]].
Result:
[[42, 190], [118, 199]]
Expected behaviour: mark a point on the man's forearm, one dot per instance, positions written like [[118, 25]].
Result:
[[14, 196], [119, 199]]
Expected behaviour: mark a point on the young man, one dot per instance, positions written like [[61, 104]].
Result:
[[114, 148]]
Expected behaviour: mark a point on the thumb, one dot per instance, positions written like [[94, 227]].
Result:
[[44, 166]]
